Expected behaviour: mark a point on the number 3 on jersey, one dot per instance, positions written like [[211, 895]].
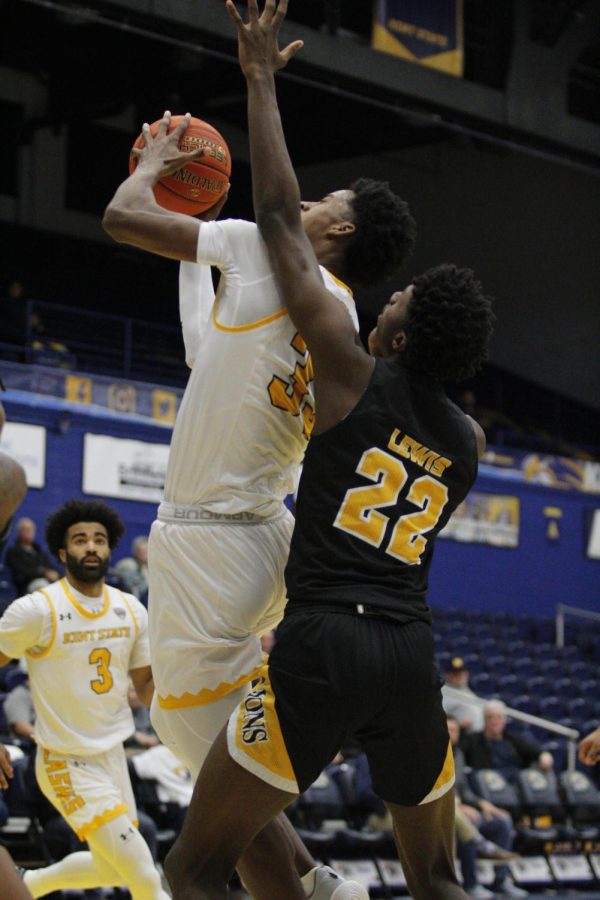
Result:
[[359, 513], [100, 657]]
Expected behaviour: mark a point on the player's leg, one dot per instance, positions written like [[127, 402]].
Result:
[[425, 842], [271, 863], [230, 806], [118, 846], [118, 857], [206, 608], [11, 885], [75, 872]]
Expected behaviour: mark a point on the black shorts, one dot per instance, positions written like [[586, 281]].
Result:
[[333, 674]]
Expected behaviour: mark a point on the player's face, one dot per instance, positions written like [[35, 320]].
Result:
[[319, 216], [86, 554], [386, 338]]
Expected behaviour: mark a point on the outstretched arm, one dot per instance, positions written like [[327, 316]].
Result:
[[341, 366], [134, 217]]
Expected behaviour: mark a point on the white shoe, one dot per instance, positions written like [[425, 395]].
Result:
[[331, 886], [508, 888], [480, 892]]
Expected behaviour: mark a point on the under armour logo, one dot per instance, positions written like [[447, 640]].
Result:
[[65, 616]]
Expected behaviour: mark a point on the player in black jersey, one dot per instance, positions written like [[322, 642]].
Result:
[[390, 459]]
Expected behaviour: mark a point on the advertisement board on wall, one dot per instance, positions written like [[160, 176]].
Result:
[[485, 519], [123, 468]]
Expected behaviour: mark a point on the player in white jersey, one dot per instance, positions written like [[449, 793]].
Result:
[[82, 641], [220, 542]]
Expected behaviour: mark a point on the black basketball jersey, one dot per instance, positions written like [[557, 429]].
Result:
[[375, 491]]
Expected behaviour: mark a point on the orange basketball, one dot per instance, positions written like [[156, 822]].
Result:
[[200, 183]]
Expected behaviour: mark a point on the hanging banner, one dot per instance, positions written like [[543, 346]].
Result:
[[429, 32]]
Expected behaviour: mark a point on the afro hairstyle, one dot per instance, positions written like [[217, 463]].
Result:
[[448, 324], [59, 522], [384, 235]]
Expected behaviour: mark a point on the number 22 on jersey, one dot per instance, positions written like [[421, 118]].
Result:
[[359, 513]]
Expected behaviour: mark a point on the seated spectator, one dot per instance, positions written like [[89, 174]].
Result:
[[15, 326], [486, 418], [464, 708], [495, 748], [19, 711], [133, 570], [483, 830], [174, 784], [144, 735], [29, 565]]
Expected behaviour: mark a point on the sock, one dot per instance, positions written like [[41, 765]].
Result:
[[75, 871], [309, 881]]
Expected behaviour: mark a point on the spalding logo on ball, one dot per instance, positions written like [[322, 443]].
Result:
[[199, 184]]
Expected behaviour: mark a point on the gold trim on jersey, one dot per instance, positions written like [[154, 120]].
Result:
[[206, 695], [39, 653], [341, 283], [135, 624], [235, 328], [257, 324], [98, 821], [445, 779], [81, 609]]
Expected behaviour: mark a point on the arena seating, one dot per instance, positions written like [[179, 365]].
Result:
[[509, 657]]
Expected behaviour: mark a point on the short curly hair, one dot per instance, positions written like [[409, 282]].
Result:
[[59, 522], [448, 325], [384, 235]]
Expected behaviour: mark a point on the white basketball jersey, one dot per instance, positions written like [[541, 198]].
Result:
[[79, 681], [248, 408]]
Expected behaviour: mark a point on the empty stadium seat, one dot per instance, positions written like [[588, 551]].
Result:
[[497, 665], [588, 689], [492, 786], [564, 687], [540, 796], [527, 704], [582, 800], [554, 708], [525, 667], [481, 683]]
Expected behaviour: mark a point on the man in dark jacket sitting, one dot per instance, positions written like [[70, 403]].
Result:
[[29, 564], [494, 748]]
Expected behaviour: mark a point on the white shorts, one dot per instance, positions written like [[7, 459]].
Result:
[[88, 791], [214, 588]]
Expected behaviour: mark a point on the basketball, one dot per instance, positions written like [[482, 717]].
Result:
[[199, 184]]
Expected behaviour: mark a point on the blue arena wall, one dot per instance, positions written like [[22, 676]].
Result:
[[65, 429], [548, 565], [533, 577]]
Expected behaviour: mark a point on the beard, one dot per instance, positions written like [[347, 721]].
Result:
[[77, 568]]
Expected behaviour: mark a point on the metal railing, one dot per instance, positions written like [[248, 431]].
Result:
[[99, 342], [562, 610], [571, 734]]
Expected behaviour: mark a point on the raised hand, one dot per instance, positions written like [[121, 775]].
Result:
[[589, 748], [258, 44], [161, 152]]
